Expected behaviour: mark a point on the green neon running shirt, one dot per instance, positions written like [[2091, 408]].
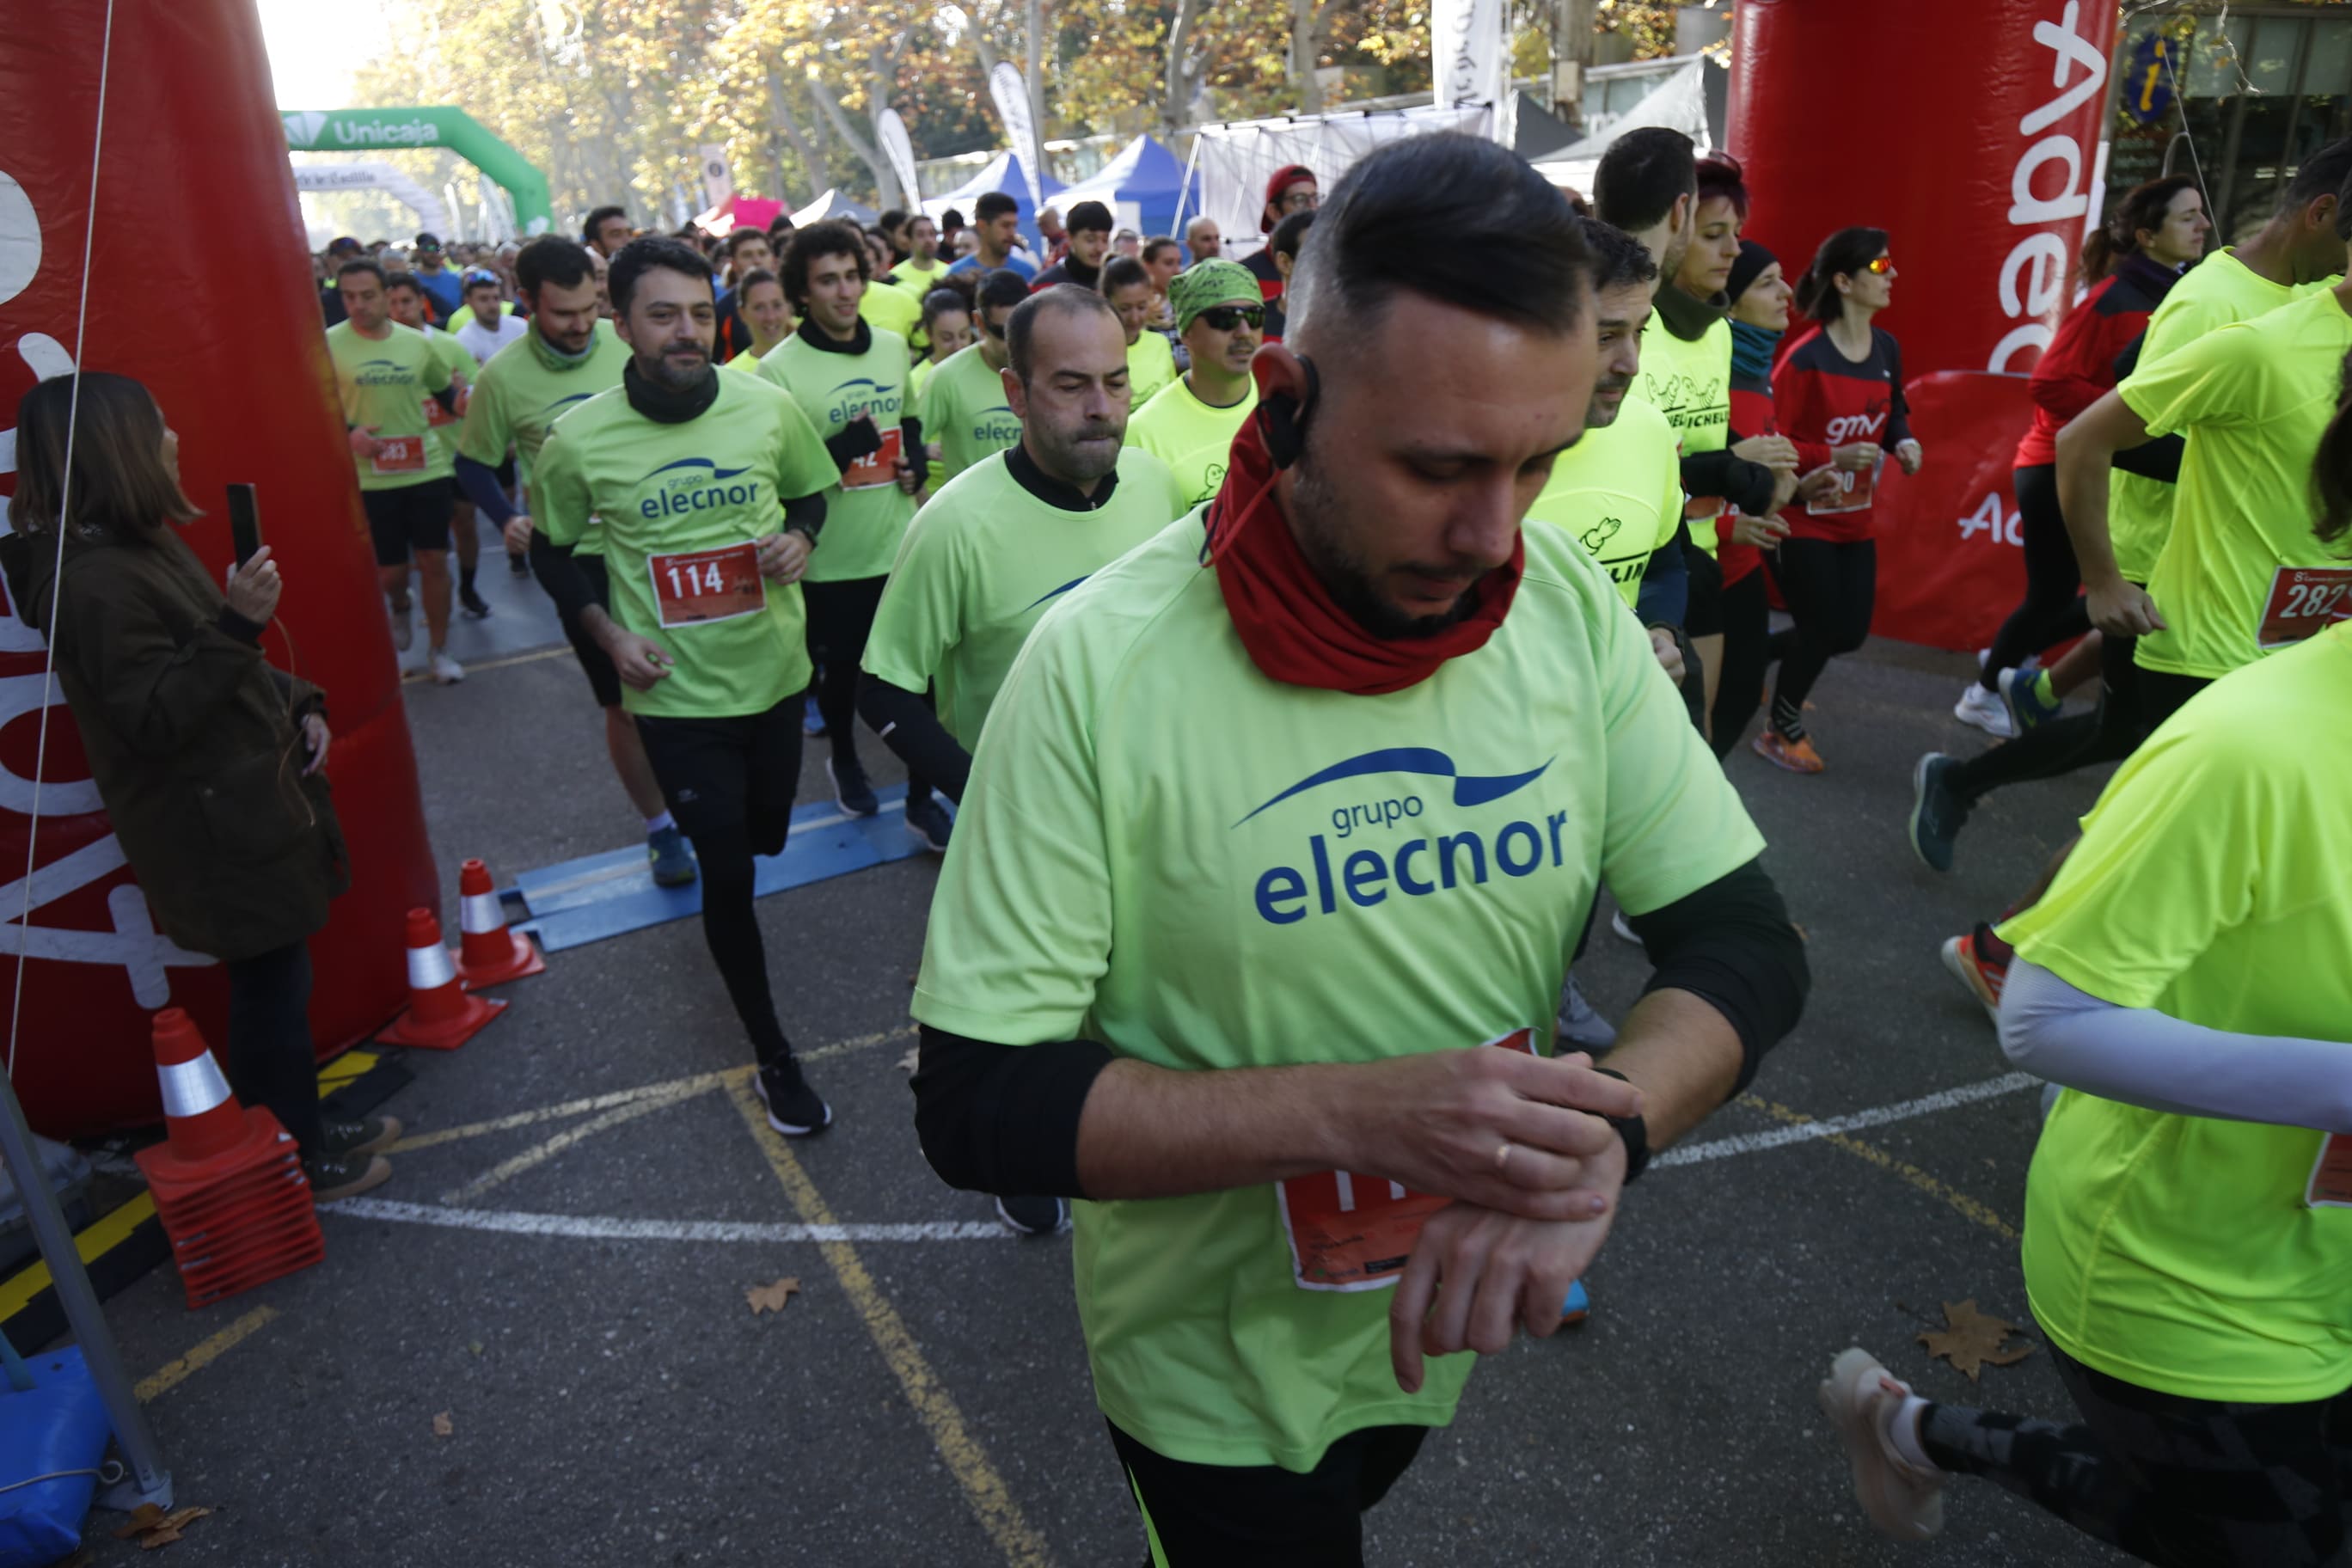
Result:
[[384, 383], [441, 426], [1151, 365], [2177, 1252], [717, 482], [520, 392], [1690, 383], [865, 512], [1166, 851], [1619, 493], [983, 561], [1193, 439], [963, 409]]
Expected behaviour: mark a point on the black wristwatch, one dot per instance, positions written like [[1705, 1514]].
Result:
[[1635, 1131]]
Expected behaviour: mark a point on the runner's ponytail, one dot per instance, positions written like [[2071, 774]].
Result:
[[2331, 472]]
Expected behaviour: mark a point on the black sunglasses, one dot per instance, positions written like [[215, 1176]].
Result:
[[1225, 318], [993, 328]]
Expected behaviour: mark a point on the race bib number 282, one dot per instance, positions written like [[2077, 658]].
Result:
[[2304, 601]]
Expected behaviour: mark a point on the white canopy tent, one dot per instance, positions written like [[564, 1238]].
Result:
[[432, 215], [1678, 103], [1231, 164]]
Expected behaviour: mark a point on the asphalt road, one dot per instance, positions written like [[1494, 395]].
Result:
[[611, 1398]]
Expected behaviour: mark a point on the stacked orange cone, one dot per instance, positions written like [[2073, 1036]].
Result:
[[227, 1182], [488, 953], [440, 1015]]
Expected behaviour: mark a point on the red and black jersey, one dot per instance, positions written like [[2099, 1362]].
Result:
[[1260, 263], [1821, 398], [2079, 366]]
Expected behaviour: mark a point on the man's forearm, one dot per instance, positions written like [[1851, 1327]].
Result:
[[2087, 445], [1150, 1132], [1683, 1055]]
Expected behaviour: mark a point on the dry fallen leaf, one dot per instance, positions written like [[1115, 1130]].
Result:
[[912, 1059], [771, 1297], [153, 1528], [442, 1425], [1971, 1339]]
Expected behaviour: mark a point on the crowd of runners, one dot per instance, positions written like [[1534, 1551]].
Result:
[[1287, 730]]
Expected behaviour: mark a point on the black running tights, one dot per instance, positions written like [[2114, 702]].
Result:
[[2053, 610], [1830, 587]]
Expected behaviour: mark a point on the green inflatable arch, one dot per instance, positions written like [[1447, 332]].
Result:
[[374, 130]]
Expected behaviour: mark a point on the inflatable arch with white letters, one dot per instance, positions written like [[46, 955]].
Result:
[[188, 146], [432, 213]]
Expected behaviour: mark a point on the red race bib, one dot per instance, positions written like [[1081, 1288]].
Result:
[[1350, 1232], [2304, 601], [704, 585], [2331, 1175], [436, 416], [401, 455], [1854, 491], [876, 468]]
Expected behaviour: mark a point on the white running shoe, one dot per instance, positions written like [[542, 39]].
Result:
[[1986, 710], [403, 629], [1861, 1399], [1624, 928], [446, 671]]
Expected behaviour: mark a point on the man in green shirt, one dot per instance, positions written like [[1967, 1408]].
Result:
[[387, 375], [922, 271], [1191, 423], [963, 406], [406, 294], [849, 378], [709, 493], [1151, 363]]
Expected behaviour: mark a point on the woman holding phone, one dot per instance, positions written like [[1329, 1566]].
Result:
[[208, 760]]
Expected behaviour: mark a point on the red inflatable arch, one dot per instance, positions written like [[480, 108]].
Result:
[[199, 285]]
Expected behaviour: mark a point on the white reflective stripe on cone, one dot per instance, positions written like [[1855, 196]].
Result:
[[192, 1088], [481, 913], [429, 968]]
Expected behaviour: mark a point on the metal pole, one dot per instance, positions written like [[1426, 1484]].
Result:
[[149, 1481]]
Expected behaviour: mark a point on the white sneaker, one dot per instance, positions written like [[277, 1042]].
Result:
[[1986, 710], [1861, 1399], [445, 671], [403, 629], [1624, 930]]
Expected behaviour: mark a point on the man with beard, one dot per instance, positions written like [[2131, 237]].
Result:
[[1270, 845], [998, 547], [709, 491], [1191, 423]]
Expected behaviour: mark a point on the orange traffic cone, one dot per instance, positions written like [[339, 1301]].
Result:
[[227, 1182], [440, 1015], [488, 953]]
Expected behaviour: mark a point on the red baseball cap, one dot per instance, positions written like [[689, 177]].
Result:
[[1288, 174]]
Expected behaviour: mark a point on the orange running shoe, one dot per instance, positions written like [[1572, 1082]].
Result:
[[1798, 756], [1980, 961]]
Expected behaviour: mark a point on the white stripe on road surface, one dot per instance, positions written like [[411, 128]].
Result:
[[591, 1227], [1803, 1132]]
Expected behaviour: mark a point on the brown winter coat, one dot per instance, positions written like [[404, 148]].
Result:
[[196, 742]]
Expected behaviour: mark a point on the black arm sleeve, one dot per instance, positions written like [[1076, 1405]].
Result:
[[1003, 1118], [560, 577], [447, 398], [1746, 486], [805, 513], [859, 439], [910, 446], [911, 730], [1731, 945], [480, 483], [2156, 459], [1898, 407]]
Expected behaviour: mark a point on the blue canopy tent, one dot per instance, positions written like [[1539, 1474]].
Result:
[[1141, 186], [1002, 172]]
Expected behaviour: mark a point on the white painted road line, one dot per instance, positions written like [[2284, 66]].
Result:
[[593, 1227], [1804, 1133]]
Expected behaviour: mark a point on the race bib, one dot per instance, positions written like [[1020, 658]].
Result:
[[436, 416], [876, 468], [2304, 601], [401, 455], [705, 585], [1350, 1232], [2331, 1175], [1854, 491]]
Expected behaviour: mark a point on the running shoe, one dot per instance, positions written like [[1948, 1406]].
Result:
[[1798, 755], [368, 1135], [1579, 1025], [1624, 928], [1985, 710], [336, 1176], [793, 1108], [1576, 1308], [1861, 1399], [472, 603], [1979, 961], [1033, 1216], [851, 791], [928, 820], [445, 671], [812, 720], [2028, 704], [672, 861], [403, 632], [1937, 813]]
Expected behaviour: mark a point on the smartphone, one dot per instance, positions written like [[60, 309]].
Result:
[[244, 522]]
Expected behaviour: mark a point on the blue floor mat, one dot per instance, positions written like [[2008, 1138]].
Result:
[[580, 901]]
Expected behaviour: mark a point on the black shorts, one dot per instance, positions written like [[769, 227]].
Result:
[[1703, 617], [411, 517], [724, 777], [594, 662], [506, 473], [840, 617], [1263, 1516]]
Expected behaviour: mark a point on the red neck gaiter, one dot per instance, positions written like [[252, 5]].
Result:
[[1295, 631]]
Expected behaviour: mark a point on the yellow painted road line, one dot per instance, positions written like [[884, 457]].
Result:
[[94, 1239], [539, 1154], [344, 1069], [984, 1489], [1968, 1208], [172, 1373], [413, 676]]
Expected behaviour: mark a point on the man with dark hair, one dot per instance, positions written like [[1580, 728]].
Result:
[[606, 231], [568, 355], [849, 378], [1150, 363], [1648, 184], [997, 548], [747, 250], [387, 375], [893, 227], [996, 223], [1283, 244], [487, 323], [1191, 423], [1184, 968], [921, 271], [963, 404], [331, 299], [1289, 189], [708, 492], [436, 279], [1088, 227], [407, 297]]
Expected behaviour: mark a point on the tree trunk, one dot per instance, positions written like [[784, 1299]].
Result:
[[886, 184], [1575, 30], [1177, 106], [1305, 49], [780, 110]]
